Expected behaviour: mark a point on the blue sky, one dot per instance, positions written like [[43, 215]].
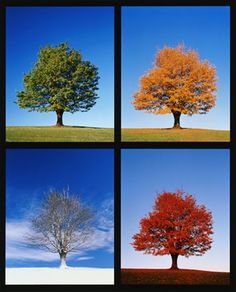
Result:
[[200, 172], [32, 172], [87, 29], [147, 29]]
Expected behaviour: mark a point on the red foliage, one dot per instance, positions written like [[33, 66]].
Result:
[[177, 226]]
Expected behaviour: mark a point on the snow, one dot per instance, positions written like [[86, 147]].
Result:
[[67, 275]]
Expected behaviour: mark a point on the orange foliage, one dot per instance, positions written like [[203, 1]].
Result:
[[179, 83], [177, 226]]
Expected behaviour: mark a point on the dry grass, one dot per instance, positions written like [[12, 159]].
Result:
[[174, 135], [173, 277]]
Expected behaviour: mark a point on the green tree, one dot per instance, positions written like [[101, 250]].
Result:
[[60, 81]]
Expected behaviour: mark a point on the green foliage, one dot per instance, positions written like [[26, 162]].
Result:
[[60, 80]]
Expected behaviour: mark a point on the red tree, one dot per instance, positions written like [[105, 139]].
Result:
[[177, 226]]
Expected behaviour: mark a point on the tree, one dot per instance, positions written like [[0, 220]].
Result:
[[177, 226], [60, 82], [63, 224], [180, 83]]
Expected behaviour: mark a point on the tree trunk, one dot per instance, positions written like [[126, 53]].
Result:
[[176, 120], [63, 260], [174, 257], [59, 118]]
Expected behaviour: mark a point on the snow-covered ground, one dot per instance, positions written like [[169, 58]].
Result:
[[88, 276]]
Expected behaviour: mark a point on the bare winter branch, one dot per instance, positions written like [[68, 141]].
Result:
[[62, 225]]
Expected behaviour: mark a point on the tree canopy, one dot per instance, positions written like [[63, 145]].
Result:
[[60, 81], [179, 83], [177, 226], [62, 225]]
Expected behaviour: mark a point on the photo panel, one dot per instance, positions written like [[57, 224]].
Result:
[[175, 74], [120, 214], [60, 74], [60, 216], [179, 232]]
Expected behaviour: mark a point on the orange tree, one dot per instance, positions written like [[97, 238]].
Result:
[[179, 83], [177, 226]]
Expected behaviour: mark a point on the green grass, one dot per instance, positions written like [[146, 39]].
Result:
[[174, 135], [55, 134], [173, 277]]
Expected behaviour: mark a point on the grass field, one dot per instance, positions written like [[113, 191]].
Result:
[[171, 277], [174, 135], [55, 134]]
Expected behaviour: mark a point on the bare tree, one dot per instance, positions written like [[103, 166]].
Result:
[[62, 225]]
